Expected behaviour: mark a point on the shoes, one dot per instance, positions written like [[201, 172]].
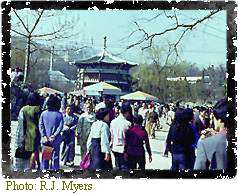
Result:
[[69, 164]]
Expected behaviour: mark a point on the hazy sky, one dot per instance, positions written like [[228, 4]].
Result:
[[204, 45]]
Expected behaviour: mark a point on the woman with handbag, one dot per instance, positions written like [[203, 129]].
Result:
[[26, 139], [98, 140], [51, 124]]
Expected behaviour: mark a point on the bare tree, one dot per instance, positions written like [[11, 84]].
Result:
[[182, 28], [28, 30]]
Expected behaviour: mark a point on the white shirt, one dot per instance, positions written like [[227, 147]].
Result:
[[142, 112], [118, 128], [170, 117], [100, 130]]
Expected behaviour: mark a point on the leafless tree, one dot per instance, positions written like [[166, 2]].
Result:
[[30, 30], [182, 28]]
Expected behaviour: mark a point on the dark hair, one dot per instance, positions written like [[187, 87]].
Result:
[[138, 119], [182, 119], [33, 99], [188, 114], [220, 111], [202, 108], [101, 113], [179, 115], [53, 103], [126, 107], [166, 106]]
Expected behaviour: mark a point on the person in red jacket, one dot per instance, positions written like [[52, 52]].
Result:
[[134, 151]]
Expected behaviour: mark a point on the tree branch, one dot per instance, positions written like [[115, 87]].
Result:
[[19, 33], [37, 21], [48, 34], [177, 26], [21, 21]]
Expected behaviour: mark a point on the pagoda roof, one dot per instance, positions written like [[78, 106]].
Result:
[[105, 57]]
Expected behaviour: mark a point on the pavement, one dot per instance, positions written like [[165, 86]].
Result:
[[159, 162]]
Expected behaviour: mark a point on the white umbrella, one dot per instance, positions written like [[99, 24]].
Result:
[[46, 90], [102, 88], [138, 95]]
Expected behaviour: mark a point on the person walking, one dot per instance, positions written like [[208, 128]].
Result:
[[51, 124], [143, 111], [152, 121], [84, 127], [118, 128], [63, 103], [180, 140], [68, 136], [27, 135], [134, 151], [98, 141]]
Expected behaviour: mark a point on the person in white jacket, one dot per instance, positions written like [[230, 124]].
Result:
[[118, 128], [98, 141]]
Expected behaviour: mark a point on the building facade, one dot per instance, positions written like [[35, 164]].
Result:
[[104, 67]]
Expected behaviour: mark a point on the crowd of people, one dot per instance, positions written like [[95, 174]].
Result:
[[50, 127]]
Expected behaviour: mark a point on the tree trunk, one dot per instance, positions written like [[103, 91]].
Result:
[[27, 59]]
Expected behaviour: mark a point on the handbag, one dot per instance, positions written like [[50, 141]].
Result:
[[47, 152], [22, 153], [85, 163]]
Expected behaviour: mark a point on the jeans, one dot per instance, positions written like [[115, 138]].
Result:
[[120, 162]]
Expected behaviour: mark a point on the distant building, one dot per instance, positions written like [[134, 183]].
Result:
[[58, 75], [104, 67], [191, 80]]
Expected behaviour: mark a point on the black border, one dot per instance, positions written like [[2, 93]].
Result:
[[128, 5]]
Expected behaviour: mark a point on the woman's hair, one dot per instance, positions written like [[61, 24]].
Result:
[[138, 119], [101, 113], [188, 114], [53, 103], [33, 99], [182, 119], [220, 111]]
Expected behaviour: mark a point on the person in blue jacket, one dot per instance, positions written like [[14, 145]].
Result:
[[50, 125]]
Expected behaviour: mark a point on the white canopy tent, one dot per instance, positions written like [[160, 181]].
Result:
[[102, 88], [46, 90], [138, 95]]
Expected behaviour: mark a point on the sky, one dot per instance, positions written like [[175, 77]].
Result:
[[205, 45]]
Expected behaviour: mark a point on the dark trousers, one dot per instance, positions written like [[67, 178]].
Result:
[[120, 162], [97, 161], [191, 157], [68, 151], [134, 160], [179, 162]]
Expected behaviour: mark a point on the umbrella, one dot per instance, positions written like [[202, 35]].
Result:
[[102, 88], [138, 95], [46, 90]]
